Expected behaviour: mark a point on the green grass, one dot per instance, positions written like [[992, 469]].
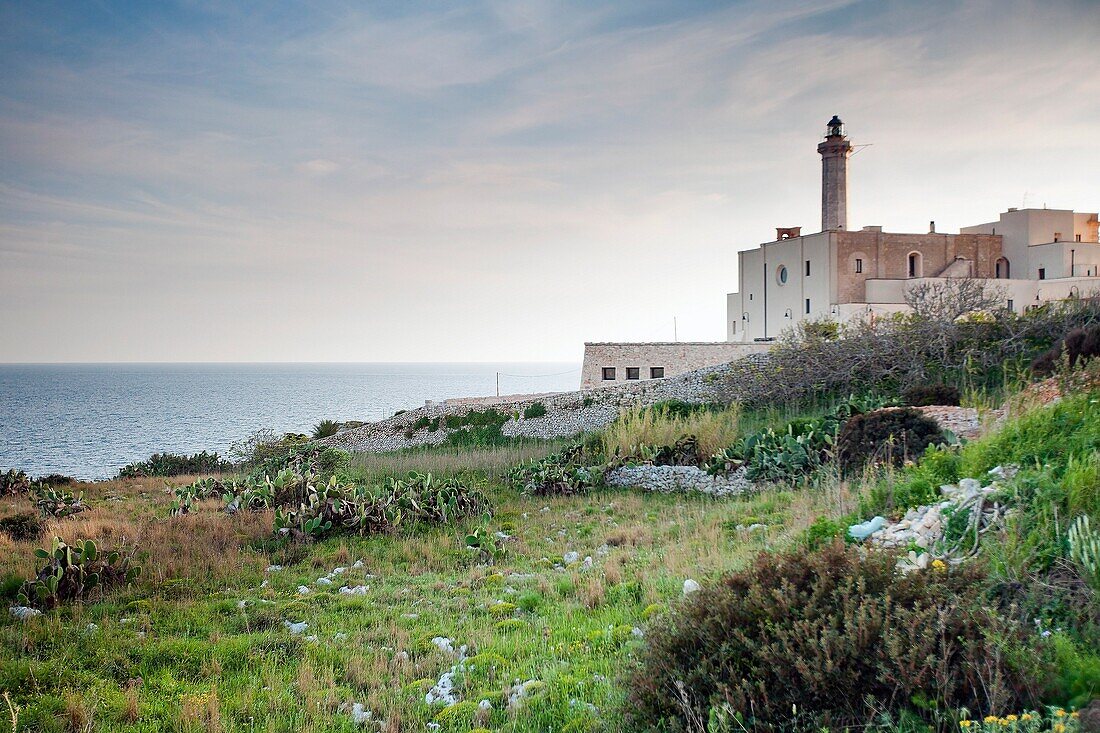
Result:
[[205, 664]]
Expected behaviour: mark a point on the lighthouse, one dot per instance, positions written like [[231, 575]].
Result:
[[834, 150]]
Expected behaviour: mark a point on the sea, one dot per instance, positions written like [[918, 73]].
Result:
[[89, 420]]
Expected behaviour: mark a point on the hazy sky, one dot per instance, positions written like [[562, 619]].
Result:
[[490, 180]]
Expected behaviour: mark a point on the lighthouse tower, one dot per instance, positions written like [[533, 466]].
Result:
[[834, 151]]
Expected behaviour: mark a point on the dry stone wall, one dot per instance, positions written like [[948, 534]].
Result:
[[567, 413]]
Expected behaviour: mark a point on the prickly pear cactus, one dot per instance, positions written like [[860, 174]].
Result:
[[73, 572]]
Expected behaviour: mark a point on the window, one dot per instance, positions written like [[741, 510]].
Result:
[[1057, 236], [633, 373], [807, 268], [807, 306], [781, 274], [656, 372], [1001, 269], [608, 374], [914, 264], [750, 296], [1077, 237], [1042, 273], [859, 264], [1011, 305]]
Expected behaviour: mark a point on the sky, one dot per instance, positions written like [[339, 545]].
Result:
[[495, 179]]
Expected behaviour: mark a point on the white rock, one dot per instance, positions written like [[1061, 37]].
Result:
[[690, 586], [571, 557], [359, 590], [324, 581], [295, 628], [360, 715], [24, 612], [303, 590], [444, 644], [273, 568]]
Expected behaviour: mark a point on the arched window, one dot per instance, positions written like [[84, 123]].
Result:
[[915, 265], [1000, 269]]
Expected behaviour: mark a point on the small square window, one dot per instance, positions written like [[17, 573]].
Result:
[[633, 373], [859, 264], [656, 372], [807, 268], [1042, 273], [1057, 236], [608, 374]]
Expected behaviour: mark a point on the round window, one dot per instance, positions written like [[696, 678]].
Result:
[[781, 275]]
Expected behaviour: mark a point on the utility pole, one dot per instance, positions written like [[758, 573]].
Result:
[[498, 384], [675, 337]]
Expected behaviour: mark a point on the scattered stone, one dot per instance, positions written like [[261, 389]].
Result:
[[690, 586], [295, 628], [359, 590], [865, 529], [571, 557], [273, 568]]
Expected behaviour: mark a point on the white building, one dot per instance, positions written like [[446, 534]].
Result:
[[1033, 255]]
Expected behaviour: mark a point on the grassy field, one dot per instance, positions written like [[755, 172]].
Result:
[[202, 642]]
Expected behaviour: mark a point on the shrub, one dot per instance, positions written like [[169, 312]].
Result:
[[535, 409], [307, 459], [932, 394], [74, 572], [821, 639], [55, 479], [325, 428], [170, 464], [14, 483], [22, 526], [892, 435]]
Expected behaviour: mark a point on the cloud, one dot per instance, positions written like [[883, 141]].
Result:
[[496, 180]]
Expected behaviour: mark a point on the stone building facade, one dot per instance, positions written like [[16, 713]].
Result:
[[612, 364], [1031, 255]]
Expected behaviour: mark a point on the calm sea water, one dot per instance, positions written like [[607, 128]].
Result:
[[89, 420]]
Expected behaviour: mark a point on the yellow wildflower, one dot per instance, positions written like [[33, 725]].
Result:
[[1075, 714], [1025, 716], [1011, 717], [990, 719], [1059, 728], [939, 565], [1060, 713], [964, 723]]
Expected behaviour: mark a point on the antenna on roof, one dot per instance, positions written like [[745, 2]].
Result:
[[857, 148]]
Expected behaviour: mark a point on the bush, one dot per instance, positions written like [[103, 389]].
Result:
[[75, 572], [824, 639], [893, 436], [325, 428], [308, 459], [170, 464], [14, 483], [535, 409], [932, 394], [22, 526]]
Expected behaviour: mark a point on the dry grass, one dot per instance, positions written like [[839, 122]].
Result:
[[494, 462], [713, 429]]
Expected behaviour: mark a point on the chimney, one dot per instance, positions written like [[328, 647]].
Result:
[[932, 227]]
